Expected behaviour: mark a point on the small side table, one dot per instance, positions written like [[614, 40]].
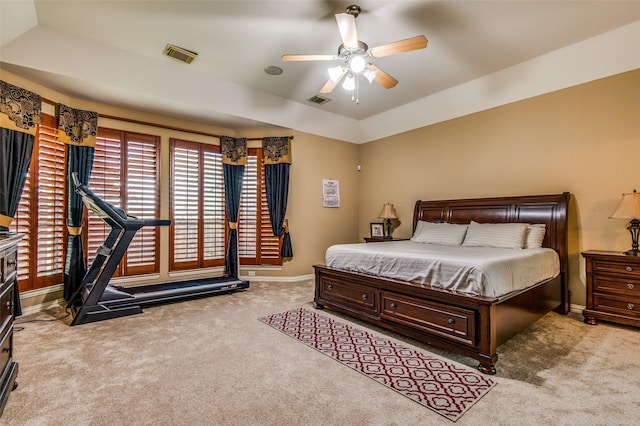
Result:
[[613, 287], [382, 240]]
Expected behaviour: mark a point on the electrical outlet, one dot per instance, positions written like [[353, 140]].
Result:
[[252, 273]]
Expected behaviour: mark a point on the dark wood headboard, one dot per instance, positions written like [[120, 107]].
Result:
[[548, 209]]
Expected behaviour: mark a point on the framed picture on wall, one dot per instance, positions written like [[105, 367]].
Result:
[[377, 230]]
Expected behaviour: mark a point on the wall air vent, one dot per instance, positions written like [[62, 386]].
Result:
[[180, 54], [317, 99]]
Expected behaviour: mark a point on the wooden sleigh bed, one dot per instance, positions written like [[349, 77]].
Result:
[[473, 326]]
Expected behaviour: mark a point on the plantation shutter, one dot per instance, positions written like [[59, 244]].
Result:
[[213, 207], [185, 205], [22, 224], [141, 200], [41, 213], [105, 182], [125, 174], [269, 243], [197, 206], [248, 216], [52, 181], [257, 243]]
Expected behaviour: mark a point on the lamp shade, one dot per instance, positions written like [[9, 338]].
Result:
[[388, 212], [349, 83], [335, 73], [357, 64], [629, 207]]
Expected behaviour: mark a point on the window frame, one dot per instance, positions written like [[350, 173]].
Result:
[[200, 261], [126, 138]]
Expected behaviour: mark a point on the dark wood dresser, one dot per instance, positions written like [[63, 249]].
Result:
[[613, 287], [8, 274]]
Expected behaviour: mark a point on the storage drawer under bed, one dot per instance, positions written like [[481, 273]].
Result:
[[431, 317], [351, 295]]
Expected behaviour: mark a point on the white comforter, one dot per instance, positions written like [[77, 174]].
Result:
[[479, 271]]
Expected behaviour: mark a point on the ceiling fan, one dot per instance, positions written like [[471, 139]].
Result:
[[355, 56]]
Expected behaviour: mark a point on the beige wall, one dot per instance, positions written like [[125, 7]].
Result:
[[583, 139]]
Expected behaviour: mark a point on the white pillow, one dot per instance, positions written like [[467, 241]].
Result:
[[501, 235], [534, 235], [448, 234]]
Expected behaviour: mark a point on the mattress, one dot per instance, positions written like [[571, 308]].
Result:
[[478, 271]]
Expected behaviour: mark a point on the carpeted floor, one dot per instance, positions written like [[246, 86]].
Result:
[[210, 362]]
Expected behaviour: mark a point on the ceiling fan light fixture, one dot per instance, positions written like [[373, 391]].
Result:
[[357, 64], [349, 83], [369, 74], [335, 73]]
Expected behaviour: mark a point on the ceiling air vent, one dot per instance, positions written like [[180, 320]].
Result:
[[180, 54], [317, 99]]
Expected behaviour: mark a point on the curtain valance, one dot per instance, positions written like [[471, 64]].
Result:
[[19, 108], [276, 149], [76, 126], [234, 150]]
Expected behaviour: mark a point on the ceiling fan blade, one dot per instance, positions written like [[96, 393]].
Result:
[[407, 45], [382, 78], [330, 84], [347, 27], [308, 57]]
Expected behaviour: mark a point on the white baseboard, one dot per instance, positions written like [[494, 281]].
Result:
[[34, 309], [278, 279], [576, 309]]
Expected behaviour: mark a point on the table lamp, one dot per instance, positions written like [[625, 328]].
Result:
[[629, 208], [389, 212]]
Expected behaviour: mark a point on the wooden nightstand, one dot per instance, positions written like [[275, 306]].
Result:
[[613, 287], [382, 240]]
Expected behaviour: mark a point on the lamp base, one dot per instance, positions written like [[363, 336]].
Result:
[[634, 229]]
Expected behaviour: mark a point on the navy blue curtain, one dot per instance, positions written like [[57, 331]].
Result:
[[276, 177], [234, 158], [80, 161], [19, 116], [15, 154], [232, 190], [277, 162]]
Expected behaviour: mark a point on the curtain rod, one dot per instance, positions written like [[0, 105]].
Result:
[[162, 126]]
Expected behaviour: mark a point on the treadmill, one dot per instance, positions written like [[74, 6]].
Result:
[[97, 300]]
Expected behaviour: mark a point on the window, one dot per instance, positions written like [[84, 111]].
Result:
[[125, 174], [41, 214], [198, 232]]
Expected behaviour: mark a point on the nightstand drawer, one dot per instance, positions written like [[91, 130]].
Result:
[[617, 285], [617, 305], [624, 268]]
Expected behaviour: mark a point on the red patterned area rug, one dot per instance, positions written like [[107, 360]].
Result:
[[441, 386]]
